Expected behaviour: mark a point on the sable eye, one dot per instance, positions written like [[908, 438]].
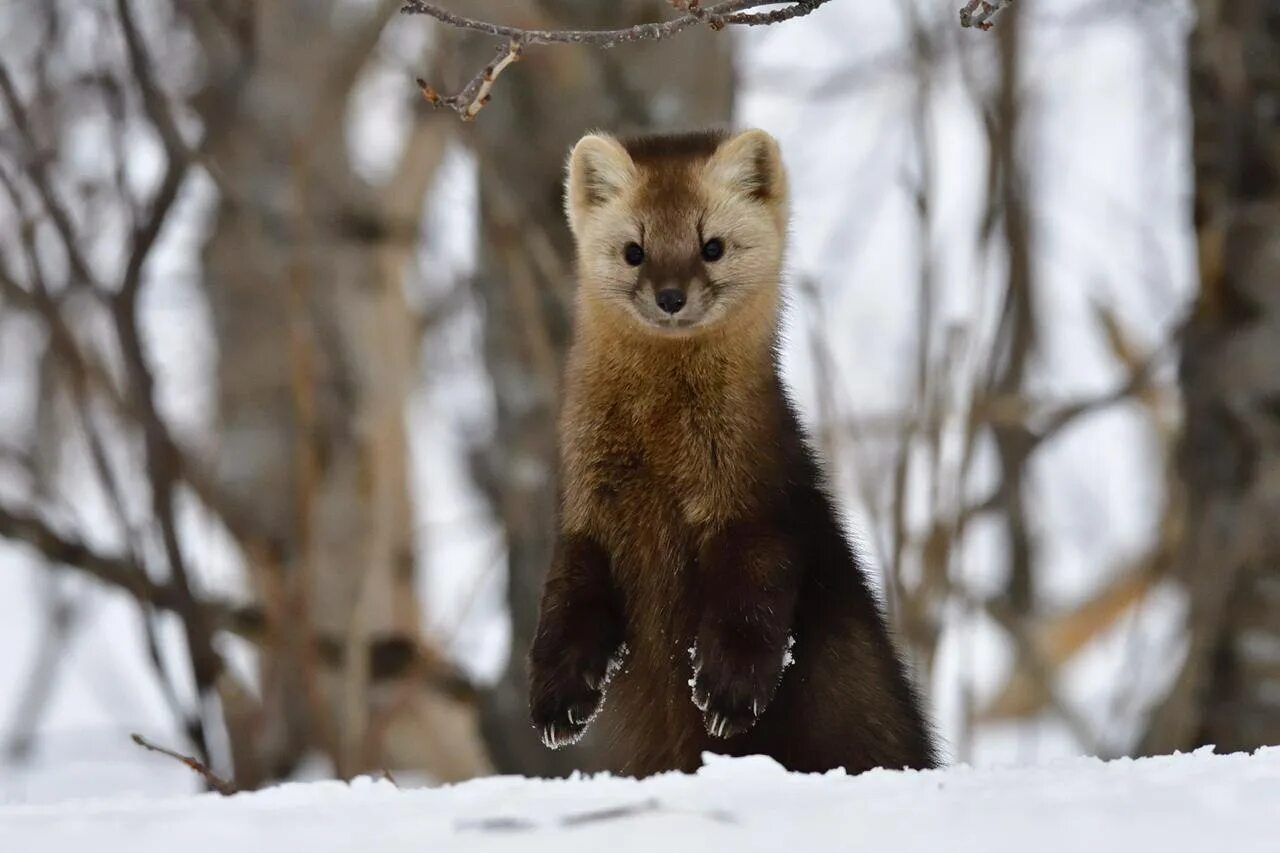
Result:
[[713, 249], [633, 254]]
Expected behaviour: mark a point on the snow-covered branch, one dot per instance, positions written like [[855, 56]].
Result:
[[476, 93]]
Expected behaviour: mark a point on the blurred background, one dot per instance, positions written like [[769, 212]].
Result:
[[280, 350]]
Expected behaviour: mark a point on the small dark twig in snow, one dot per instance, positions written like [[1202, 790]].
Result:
[[497, 824], [650, 806], [611, 813], [216, 782], [979, 13], [475, 94]]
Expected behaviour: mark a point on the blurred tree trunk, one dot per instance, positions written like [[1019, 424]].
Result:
[[525, 277], [303, 271], [1228, 690]]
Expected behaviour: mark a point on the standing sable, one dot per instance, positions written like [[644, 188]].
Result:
[[701, 573]]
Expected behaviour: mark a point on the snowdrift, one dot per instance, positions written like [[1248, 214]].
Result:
[[1170, 804]]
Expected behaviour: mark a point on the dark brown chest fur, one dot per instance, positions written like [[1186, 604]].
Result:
[[696, 489], [652, 466]]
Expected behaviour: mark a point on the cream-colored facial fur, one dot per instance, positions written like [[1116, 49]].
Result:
[[670, 198]]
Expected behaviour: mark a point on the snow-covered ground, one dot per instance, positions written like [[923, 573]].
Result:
[[1170, 804]]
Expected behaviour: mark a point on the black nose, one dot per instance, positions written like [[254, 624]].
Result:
[[670, 299]]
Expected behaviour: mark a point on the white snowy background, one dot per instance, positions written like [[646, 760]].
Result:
[[1106, 134]]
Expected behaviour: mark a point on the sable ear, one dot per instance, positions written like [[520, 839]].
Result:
[[751, 163], [599, 170]]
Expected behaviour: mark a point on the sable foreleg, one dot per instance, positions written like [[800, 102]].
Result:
[[750, 585], [580, 630]]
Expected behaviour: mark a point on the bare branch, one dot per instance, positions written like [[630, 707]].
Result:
[[153, 99], [473, 97], [758, 19], [87, 370], [694, 7], [61, 549], [214, 781], [391, 656], [164, 464], [979, 13], [178, 154], [40, 178]]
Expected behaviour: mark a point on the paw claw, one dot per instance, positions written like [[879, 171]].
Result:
[[701, 700], [732, 685], [565, 697], [556, 735], [725, 726]]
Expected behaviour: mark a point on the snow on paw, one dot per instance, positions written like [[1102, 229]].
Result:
[[568, 692], [561, 718], [732, 684], [729, 705]]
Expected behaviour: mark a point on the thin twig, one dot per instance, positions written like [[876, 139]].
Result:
[[694, 7], [154, 100], [597, 38], [777, 16], [214, 781], [979, 13], [39, 175], [476, 93]]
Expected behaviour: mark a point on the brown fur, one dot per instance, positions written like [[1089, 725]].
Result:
[[693, 514]]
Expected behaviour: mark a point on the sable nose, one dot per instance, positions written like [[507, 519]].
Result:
[[670, 299]]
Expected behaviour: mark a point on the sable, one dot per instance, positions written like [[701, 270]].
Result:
[[702, 578]]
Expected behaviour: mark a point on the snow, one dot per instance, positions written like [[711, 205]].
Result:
[[1171, 804]]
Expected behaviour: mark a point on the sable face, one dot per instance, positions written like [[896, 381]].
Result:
[[677, 233]]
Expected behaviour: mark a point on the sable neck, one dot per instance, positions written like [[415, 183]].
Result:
[[739, 353]]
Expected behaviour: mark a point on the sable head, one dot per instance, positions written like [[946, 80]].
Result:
[[676, 234]]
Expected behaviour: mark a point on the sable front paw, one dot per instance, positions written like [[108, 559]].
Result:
[[561, 715], [567, 693], [733, 682]]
